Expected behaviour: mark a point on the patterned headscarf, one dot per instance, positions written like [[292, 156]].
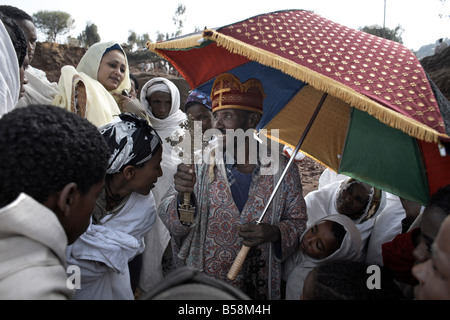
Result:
[[132, 141], [198, 97]]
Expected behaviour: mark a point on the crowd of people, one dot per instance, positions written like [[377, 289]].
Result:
[[94, 193]]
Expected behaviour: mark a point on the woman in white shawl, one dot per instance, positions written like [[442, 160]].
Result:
[[125, 211], [320, 242], [355, 199], [166, 120], [161, 99], [92, 88]]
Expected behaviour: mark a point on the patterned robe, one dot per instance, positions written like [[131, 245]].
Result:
[[212, 243]]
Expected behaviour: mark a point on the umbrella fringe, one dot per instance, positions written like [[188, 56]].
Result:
[[182, 43], [323, 83]]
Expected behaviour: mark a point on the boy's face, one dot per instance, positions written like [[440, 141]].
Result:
[[147, 176], [81, 210], [30, 31], [319, 241]]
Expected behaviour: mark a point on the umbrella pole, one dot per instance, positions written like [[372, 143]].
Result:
[[240, 258]]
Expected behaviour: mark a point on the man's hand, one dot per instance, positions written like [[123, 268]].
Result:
[[184, 179], [255, 234]]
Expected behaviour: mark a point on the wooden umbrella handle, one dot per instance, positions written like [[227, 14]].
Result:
[[237, 264]]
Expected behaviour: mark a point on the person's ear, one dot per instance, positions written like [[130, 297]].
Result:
[[253, 119], [67, 198], [129, 172]]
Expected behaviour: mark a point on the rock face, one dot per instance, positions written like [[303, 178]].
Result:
[[438, 68], [51, 57]]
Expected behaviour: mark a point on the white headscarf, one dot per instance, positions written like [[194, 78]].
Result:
[[9, 73], [298, 266], [101, 105], [322, 202], [165, 128], [90, 63]]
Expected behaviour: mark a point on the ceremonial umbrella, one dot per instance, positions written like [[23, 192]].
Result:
[[379, 122]]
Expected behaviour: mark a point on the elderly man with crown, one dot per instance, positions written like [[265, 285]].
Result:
[[229, 194]]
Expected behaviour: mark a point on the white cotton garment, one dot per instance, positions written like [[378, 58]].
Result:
[[9, 73], [104, 250], [297, 267], [32, 252]]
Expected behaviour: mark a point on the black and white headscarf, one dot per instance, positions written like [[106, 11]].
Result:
[[132, 141]]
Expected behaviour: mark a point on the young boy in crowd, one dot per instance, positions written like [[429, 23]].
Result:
[[52, 168]]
